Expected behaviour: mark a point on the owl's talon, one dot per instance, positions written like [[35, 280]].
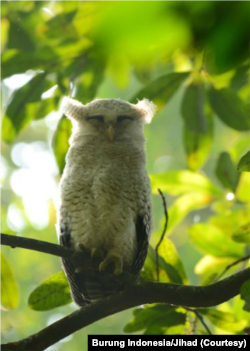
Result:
[[118, 270], [116, 260], [96, 253], [81, 247]]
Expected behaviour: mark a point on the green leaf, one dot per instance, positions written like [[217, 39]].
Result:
[[198, 145], [60, 141], [181, 182], [245, 295], [223, 320], [161, 89], [240, 78], [52, 293], [143, 74], [89, 80], [8, 130], [183, 206], [14, 62], [0, 97], [17, 111], [210, 268], [167, 272], [158, 317], [4, 29], [61, 23], [149, 269], [41, 108], [154, 330], [230, 218], [168, 252], [242, 234], [198, 128], [226, 171], [193, 109], [213, 241], [243, 189], [9, 288], [229, 108], [244, 164], [19, 38]]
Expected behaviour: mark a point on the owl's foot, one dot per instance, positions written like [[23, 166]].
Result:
[[116, 260], [93, 253], [82, 247], [86, 250], [96, 253]]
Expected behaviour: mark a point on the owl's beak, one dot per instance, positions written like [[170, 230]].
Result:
[[111, 133]]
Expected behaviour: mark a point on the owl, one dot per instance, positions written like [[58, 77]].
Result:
[[104, 198]]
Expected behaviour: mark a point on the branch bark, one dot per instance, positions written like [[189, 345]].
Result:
[[36, 245], [45, 247], [135, 294]]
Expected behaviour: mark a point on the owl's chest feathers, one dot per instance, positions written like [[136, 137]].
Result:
[[105, 166], [104, 177]]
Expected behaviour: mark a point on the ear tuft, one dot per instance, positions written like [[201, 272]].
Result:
[[73, 109], [147, 108]]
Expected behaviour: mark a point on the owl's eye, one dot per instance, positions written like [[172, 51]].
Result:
[[95, 118], [124, 118]]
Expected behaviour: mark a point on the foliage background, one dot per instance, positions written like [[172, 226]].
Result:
[[191, 59]]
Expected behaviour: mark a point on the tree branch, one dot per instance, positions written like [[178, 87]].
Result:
[[135, 294], [36, 245], [15, 241]]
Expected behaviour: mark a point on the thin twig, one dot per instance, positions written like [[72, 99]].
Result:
[[199, 316], [163, 233], [193, 326], [233, 264]]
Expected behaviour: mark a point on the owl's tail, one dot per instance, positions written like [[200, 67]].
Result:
[[89, 286], [96, 285]]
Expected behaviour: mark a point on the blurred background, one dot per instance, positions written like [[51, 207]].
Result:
[[192, 59]]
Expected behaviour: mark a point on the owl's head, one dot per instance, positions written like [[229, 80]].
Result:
[[109, 119]]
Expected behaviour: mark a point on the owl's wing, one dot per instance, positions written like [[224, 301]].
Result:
[[143, 228], [73, 277]]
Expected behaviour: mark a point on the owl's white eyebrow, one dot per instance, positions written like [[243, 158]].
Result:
[[97, 117]]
